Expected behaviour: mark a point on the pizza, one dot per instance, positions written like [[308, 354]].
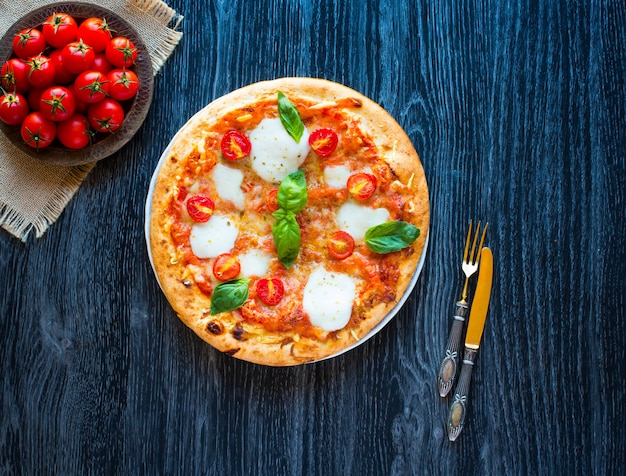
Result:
[[286, 220]]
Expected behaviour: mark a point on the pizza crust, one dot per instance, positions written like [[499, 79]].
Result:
[[227, 333]]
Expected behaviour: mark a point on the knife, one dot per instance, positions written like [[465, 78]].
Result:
[[475, 326]]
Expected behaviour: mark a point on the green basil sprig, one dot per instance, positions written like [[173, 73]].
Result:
[[230, 295], [286, 233], [290, 117], [292, 197], [292, 194], [391, 236]]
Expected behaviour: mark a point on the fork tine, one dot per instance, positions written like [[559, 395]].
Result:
[[482, 240], [480, 246], [473, 257], [467, 241]]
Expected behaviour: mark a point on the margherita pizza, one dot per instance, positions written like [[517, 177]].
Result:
[[287, 219]]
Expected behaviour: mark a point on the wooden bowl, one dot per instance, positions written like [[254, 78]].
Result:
[[136, 110]]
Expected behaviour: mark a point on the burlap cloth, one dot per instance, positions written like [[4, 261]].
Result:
[[33, 194]]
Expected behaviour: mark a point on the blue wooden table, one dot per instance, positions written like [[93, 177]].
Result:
[[518, 111]]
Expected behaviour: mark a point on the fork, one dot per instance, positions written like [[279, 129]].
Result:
[[449, 362]]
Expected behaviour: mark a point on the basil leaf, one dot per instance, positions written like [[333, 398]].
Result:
[[292, 194], [290, 117], [230, 295], [391, 236], [280, 214], [286, 233]]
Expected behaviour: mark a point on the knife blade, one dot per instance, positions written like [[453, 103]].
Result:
[[478, 314]]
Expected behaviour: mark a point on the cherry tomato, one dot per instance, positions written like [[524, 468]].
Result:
[[59, 29], [74, 133], [34, 99], [81, 106], [340, 244], [13, 108], [361, 185], [270, 291], [235, 145], [41, 72], [14, 75], [121, 52], [323, 141], [101, 63], [77, 56], [57, 103], [106, 115], [95, 32], [226, 266], [124, 84], [91, 86], [272, 200], [37, 131], [61, 74], [29, 42], [200, 208]]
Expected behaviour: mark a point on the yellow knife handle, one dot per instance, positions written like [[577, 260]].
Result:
[[458, 409], [450, 360]]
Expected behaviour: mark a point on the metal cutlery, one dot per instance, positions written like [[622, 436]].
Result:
[[449, 363], [475, 326]]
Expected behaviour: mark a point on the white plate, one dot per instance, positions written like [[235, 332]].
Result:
[[369, 335]]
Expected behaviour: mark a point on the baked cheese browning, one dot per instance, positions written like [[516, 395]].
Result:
[[327, 301]]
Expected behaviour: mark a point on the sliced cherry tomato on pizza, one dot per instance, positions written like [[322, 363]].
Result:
[[92, 86], [361, 185], [226, 267], [272, 200], [235, 145], [340, 244], [41, 71], [270, 291], [95, 32], [57, 103], [29, 42], [14, 76], [59, 29], [106, 115], [323, 141], [13, 108], [37, 131], [124, 84], [200, 208], [77, 56], [121, 52]]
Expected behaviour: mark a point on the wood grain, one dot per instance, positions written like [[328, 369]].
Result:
[[517, 110]]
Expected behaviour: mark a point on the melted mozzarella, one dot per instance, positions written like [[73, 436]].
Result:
[[328, 299], [274, 152], [213, 237], [337, 176], [254, 263], [356, 219], [228, 184]]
